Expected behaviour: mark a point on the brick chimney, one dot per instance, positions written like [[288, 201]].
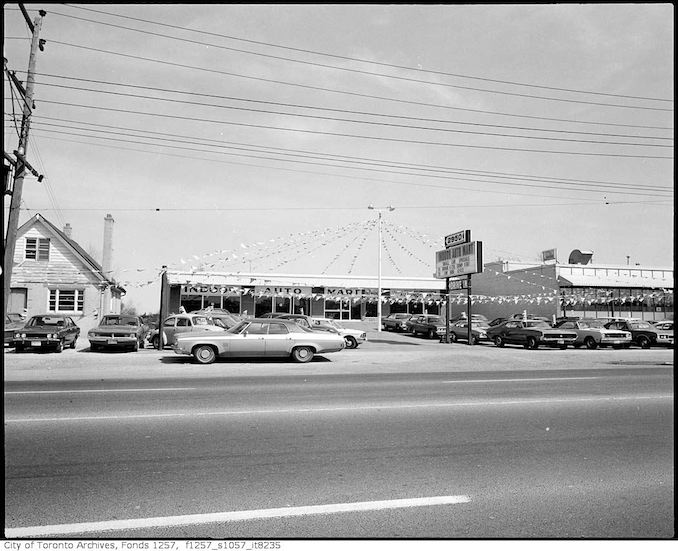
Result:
[[107, 257], [68, 230]]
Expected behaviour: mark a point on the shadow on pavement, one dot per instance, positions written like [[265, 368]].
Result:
[[188, 359]]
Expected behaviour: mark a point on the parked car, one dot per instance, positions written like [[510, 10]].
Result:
[[395, 322], [12, 323], [353, 337], [427, 324], [259, 337], [459, 331], [307, 322], [643, 333], [51, 331], [220, 318], [118, 331], [531, 334], [272, 315], [592, 333], [474, 317], [183, 323], [664, 325]]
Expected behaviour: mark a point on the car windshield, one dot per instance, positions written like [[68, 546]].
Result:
[[591, 324], [640, 325], [537, 323], [119, 320], [201, 320], [37, 321]]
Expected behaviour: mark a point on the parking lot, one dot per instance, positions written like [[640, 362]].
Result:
[[384, 352]]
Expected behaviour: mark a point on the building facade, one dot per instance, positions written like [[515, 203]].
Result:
[[53, 274]]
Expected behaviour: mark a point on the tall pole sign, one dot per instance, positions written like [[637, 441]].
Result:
[[460, 257]]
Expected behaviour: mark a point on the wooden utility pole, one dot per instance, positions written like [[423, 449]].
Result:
[[21, 165]]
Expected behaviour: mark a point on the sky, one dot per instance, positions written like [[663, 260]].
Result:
[[253, 138]]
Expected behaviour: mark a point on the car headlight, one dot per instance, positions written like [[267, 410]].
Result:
[[17, 335]]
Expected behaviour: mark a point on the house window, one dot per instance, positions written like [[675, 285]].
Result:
[[37, 249], [66, 300]]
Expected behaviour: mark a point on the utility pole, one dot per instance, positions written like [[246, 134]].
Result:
[[390, 208], [22, 149]]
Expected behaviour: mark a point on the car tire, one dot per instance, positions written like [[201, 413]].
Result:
[[135, 346], [154, 342], [499, 342], [643, 342], [142, 343], [350, 342], [453, 337], [531, 343], [73, 343], [475, 340], [59, 347], [204, 354], [302, 354], [590, 343], [431, 334]]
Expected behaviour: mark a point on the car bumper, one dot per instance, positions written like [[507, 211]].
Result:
[[557, 342], [664, 341], [614, 342], [113, 341], [36, 343]]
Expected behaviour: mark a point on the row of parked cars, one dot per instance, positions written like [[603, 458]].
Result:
[[205, 335], [532, 332]]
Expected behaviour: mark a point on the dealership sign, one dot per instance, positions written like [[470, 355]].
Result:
[[464, 259], [457, 238]]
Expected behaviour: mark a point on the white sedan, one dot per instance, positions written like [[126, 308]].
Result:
[[259, 337]]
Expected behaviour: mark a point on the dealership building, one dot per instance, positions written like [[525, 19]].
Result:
[[578, 288]]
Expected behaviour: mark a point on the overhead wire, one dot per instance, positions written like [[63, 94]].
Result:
[[351, 158], [346, 58], [358, 136], [362, 161], [442, 121]]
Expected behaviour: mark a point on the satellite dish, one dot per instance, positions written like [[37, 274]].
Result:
[[580, 257]]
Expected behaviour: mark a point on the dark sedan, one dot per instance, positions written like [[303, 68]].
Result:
[[531, 334], [12, 323], [427, 324], [459, 331], [395, 322], [47, 331]]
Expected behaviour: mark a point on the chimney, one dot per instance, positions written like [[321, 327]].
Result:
[[107, 260], [68, 230]]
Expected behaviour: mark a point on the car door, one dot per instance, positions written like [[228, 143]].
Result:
[[250, 341], [73, 330], [169, 328], [184, 325], [278, 340], [513, 332]]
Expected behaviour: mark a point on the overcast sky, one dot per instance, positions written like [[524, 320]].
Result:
[[263, 132]]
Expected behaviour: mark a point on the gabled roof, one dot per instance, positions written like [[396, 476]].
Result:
[[84, 256]]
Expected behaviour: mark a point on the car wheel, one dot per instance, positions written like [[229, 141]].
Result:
[[531, 343], [142, 343], [154, 341], [643, 342], [302, 354], [73, 343], [204, 354], [590, 343], [135, 346], [350, 342], [59, 347], [475, 340], [453, 337], [498, 342], [431, 334]]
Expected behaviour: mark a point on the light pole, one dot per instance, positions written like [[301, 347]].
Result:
[[379, 209]]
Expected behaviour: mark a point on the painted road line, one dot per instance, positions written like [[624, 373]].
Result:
[[384, 407], [98, 390], [523, 380], [230, 516]]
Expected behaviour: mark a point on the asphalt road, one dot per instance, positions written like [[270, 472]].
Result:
[[396, 439]]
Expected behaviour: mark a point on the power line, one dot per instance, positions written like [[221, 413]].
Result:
[[370, 96], [651, 193], [443, 121], [343, 158], [485, 79], [358, 136]]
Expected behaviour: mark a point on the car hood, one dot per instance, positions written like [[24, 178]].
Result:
[[117, 329]]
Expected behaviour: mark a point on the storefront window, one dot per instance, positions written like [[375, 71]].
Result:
[[232, 304], [263, 305], [192, 303], [212, 300], [282, 305]]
